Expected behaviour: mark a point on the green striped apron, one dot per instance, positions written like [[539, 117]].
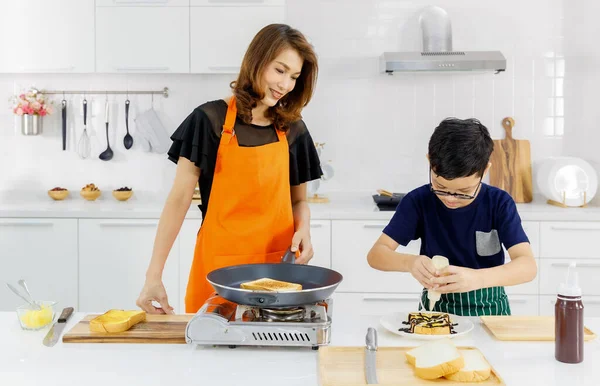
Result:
[[485, 301]]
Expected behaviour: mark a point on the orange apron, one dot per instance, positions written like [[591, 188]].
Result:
[[249, 217]]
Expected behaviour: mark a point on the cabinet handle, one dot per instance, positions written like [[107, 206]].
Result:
[[316, 225], [578, 227], [27, 223], [582, 265], [390, 299], [373, 226], [224, 68], [131, 68], [127, 224], [517, 300], [236, 1], [140, 1], [47, 69]]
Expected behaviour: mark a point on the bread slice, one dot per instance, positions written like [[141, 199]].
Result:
[[436, 359], [116, 320], [271, 285], [429, 323], [411, 355], [477, 368]]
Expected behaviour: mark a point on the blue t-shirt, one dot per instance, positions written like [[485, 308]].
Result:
[[470, 236]]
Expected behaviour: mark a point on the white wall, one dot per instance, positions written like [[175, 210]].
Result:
[[376, 127]]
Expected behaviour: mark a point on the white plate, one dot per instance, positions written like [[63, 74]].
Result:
[[393, 323]]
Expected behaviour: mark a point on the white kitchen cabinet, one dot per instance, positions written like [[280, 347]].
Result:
[[142, 39], [142, 3], [553, 272], [351, 242], [220, 35], [367, 304], [591, 306], [113, 258], [47, 36], [320, 234], [569, 239], [187, 245], [43, 252], [524, 305]]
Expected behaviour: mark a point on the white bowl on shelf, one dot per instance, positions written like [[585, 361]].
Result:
[[568, 176]]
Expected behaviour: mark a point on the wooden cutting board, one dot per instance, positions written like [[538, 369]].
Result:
[[156, 329], [345, 366], [511, 165], [531, 328]]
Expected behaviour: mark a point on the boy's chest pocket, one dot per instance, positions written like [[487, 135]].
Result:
[[487, 243]]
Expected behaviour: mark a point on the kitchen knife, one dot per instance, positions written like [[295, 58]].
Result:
[[370, 356], [56, 330]]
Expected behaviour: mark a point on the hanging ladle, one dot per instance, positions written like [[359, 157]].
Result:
[[128, 140], [107, 154]]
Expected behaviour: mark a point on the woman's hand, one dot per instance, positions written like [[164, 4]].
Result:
[[457, 279], [423, 270], [301, 241], [154, 290]]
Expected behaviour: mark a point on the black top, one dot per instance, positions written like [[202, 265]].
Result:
[[198, 136]]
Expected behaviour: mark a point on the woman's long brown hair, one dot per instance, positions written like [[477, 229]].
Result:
[[264, 48]]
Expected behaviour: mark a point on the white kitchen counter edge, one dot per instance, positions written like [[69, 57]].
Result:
[[343, 206]]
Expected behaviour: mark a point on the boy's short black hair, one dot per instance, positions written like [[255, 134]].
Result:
[[460, 148]]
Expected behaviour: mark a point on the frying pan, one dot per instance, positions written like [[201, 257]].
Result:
[[318, 283]]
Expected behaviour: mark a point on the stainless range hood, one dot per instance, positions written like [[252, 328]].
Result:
[[437, 54]]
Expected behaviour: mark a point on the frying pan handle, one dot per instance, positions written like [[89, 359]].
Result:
[[289, 257], [260, 300]]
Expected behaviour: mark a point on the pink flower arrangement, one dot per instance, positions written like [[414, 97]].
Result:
[[32, 103]]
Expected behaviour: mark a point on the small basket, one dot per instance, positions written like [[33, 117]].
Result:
[[90, 195], [58, 195], [122, 195]]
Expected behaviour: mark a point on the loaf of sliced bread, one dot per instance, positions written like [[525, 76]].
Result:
[[435, 359], [476, 369], [266, 284], [116, 320]]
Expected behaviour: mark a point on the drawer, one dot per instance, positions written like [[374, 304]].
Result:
[[320, 235], [553, 272], [524, 305], [591, 306], [351, 242], [569, 239], [366, 304]]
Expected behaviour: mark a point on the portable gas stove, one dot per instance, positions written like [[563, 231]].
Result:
[[221, 322]]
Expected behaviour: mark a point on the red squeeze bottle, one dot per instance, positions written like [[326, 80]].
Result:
[[568, 320]]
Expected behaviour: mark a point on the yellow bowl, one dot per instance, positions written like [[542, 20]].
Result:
[[122, 195], [90, 195], [58, 194]]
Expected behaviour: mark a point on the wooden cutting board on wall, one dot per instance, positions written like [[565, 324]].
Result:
[[511, 165]]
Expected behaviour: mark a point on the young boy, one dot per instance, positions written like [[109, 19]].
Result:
[[463, 219]]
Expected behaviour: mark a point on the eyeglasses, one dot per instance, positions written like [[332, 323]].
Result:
[[460, 196]]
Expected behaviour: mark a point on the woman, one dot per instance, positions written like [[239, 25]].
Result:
[[252, 156]]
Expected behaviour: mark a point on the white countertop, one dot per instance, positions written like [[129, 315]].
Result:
[[342, 206], [25, 361]]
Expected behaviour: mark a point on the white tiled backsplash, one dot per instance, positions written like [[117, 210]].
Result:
[[376, 127]]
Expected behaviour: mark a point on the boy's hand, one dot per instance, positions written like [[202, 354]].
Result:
[[456, 279], [423, 270]]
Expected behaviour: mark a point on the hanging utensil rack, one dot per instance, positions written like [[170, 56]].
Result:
[[164, 92]]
